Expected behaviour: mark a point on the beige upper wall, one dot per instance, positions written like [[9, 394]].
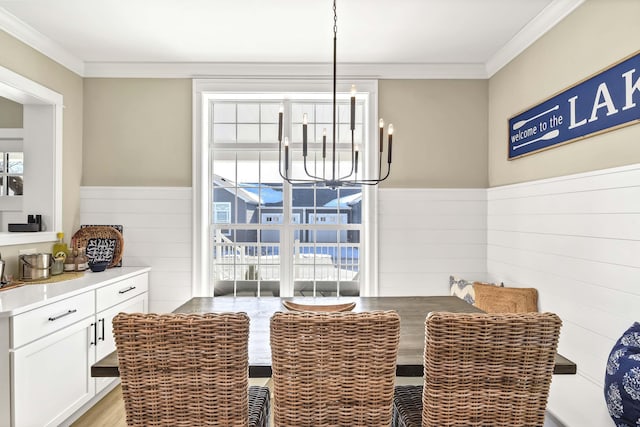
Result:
[[28, 62], [10, 114], [440, 132], [137, 132], [596, 35], [31, 64]]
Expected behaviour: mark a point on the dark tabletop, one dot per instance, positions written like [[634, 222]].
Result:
[[412, 310]]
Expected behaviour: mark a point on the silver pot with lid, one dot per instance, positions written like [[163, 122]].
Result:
[[34, 266]]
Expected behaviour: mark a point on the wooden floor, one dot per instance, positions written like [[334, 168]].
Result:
[[109, 412]]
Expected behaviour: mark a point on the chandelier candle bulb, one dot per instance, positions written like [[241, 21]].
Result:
[[305, 122], [390, 132], [286, 153], [353, 107], [381, 125], [356, 163], [280, 113], [324, 143]]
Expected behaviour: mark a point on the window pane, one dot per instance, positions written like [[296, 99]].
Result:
[[16, 163], [15, 185], [324, 113], [248, 133], [2, 170], [269, 133], [319, 128], [269, 113], [223, 168], [224, 113], [359, 112], [297, 110], [344, 134], [344, 113], [248, 113], [296, 133], [248, 168], [269, 168], [224, 133]]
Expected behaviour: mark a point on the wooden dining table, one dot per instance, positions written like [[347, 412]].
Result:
[[412, 311]]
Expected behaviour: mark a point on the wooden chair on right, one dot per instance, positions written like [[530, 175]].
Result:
[[482, 370]]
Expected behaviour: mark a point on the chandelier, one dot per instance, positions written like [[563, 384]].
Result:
[[334, 179]]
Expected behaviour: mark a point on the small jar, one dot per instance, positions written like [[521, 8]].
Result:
[[70, 262], [58, 265], [81, 261]]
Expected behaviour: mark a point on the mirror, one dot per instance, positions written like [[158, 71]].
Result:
[[30, 158], [11, 150]]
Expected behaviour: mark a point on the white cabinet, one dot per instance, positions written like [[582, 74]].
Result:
[[50, 345], [137, 303], [52, 377]]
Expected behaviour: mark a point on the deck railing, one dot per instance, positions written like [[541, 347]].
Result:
[[244, 263]]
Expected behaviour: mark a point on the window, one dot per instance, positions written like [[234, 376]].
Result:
[[221, 212], [266, 237], [11, 167]]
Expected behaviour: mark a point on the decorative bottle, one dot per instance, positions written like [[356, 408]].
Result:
[[60, 249]]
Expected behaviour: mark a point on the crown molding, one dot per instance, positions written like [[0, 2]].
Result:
[[536, 28], [264, 69], [547, 19], [38, 41]]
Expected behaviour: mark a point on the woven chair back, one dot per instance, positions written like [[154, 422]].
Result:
[[488, 369], [334, 369], [183, 369]]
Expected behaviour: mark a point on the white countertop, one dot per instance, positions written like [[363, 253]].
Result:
[[28, 297]]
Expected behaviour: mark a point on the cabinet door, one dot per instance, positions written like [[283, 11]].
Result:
[[106, 343], [52, 377]]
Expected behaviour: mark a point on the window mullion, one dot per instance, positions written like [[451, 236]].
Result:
[[286, 234]]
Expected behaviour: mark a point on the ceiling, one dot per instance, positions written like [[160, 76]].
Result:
[[92, 35]]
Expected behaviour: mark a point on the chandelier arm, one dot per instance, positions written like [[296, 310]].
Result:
[[315, 178], [280, 161], [352, 158], [380, 162], [370, 181]]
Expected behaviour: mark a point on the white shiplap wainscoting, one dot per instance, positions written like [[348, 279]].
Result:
[[425, 235], [577, 240], [157, 233]]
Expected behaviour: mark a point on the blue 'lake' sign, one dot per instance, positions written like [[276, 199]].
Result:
[[609, 99]]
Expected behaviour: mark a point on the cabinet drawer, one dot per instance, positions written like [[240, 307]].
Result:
[[45, 320], [115, 293]]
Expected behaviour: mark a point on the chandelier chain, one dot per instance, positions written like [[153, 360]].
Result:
[[335, 19]]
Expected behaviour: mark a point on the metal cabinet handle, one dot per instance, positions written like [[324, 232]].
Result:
[[102, 337], [54, 318], [124, 291], [95, 334]]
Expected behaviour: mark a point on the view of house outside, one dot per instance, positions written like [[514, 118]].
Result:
[[264, 229]]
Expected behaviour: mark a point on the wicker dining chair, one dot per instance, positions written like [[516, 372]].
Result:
[[334, 369], [482, 370], [187, 370]]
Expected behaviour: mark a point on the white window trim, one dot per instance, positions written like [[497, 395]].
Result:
[[201, 198]]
